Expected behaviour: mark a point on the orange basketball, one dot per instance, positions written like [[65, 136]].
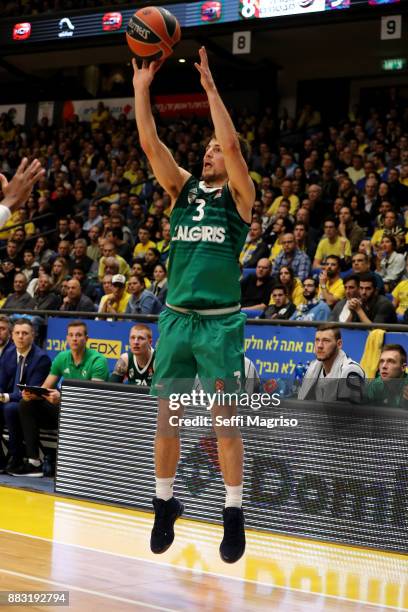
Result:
[[152, 33]]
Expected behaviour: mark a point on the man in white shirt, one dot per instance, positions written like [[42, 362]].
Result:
[[332, 376], [17, 191]]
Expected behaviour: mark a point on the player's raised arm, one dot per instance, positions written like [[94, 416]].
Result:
[[170, 176], [239, 181]]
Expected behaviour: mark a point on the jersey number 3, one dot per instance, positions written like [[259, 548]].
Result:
[[200, 210]]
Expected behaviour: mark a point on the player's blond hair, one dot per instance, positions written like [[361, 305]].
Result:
[[145, 328]]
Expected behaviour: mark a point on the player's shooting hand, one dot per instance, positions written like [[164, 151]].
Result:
[[18, 190], [143, 77], [203, 68]]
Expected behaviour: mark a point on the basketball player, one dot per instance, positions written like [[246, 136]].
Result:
[[136, 366], [17, 191], [202, 328]]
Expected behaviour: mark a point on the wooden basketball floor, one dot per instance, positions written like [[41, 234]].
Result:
[[100, 554]]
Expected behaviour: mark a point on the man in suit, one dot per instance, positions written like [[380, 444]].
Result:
[[26, 364]]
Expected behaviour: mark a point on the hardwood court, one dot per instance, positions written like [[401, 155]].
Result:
[[100, 555]]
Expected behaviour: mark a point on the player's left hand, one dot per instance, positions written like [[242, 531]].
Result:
[[142, 77], [203, 68]]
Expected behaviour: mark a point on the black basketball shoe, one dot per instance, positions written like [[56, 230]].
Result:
[[233, 543], [166, 514]]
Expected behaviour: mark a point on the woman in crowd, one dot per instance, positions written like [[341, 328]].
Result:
[[43, 254], [59, 271], [159, 285], [390, 264]]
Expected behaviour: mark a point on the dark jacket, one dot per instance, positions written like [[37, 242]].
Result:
[[49, 301], [84, 304], [5, 355], [36, 369], [19, 302]]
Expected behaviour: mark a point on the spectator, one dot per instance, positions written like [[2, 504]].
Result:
[[360, 264], [159, 285], [75, 300], [341, 311], [331, 288], [371, 307], [77, 363], [398, 191], [93, 219], [256, 288], [390, 228], [152, 258], [122, 247], [400, 297], [109, 251], [312, 308], [294, 288], [390, 265], [390, 387], [30, 268], [332, 244], [303, 241], [281, 308], [89, 287], [287, 194], [117, 301], [164, 245], [45, 298], [136, 366], [292, 257], [26, 364], [144, 243], [59, 273], [80, 258], [356, 170], [349, 229], [254, 248], [141, 301], [43, 254], [93, 250], [20, 299], [332, 376], [76, 228]]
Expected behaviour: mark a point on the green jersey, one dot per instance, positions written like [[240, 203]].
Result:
[[93, 366], [207, 235], [137, 375]]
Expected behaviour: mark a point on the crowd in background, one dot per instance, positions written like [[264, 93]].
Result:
[[327, 239]]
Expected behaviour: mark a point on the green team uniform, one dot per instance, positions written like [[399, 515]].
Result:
[[93, 365], [202, 328], [134, 374]]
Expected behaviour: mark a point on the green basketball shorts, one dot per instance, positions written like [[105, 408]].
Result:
[[191, 344]]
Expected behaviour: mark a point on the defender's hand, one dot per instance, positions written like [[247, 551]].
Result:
[[203, 68], [18, 190]]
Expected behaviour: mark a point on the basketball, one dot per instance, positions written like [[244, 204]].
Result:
[[152, 33]]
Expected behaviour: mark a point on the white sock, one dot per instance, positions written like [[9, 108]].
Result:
[[35, 462], [164, 488], [233, 498]]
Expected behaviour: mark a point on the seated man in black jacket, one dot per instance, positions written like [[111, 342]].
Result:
[[282, 308], [256, 288], [371, 307]]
